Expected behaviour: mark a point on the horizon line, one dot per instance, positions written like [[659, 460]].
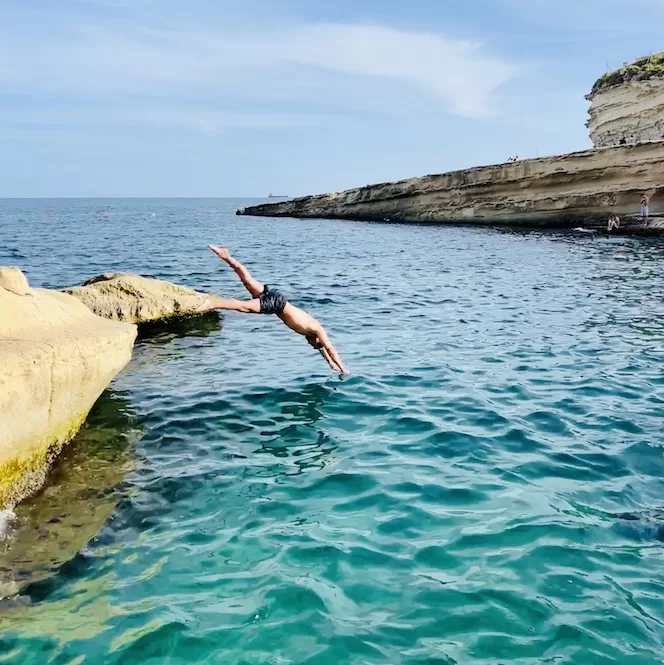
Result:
[[48, 198]]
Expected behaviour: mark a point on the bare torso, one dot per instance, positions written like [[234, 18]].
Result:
[[299, 320]]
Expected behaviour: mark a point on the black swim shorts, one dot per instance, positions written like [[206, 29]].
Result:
[[272, 302]]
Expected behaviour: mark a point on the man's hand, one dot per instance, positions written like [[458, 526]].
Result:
[[328, 359], [331, 355], [221, 252]]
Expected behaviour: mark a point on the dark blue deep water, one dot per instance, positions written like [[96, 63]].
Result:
[[486, 487]]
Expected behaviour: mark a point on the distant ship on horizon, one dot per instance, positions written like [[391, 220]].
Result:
[[277, 196]]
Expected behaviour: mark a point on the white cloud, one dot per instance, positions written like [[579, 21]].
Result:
[[457, 72], [342, 67]]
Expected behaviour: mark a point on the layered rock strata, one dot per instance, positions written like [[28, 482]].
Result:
[[628, 113], [577, 189]]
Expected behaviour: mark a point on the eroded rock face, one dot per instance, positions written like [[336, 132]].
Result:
[[13, 280], [631, 112], [56, 358], [136, 299], [581, 188]]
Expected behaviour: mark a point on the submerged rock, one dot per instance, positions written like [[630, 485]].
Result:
[[81, 493], [645, 525], [136, 299], [56, 358]]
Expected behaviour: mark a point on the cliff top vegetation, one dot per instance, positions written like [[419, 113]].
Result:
[[640, 70]]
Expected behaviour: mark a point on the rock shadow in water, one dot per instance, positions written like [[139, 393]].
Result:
[[81, 493], [163, 332]]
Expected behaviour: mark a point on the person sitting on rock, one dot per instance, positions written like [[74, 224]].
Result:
[[614, 223], [269, 301]]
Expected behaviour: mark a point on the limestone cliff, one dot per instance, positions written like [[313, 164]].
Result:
[[627, 105], [56, 358], [630, 112], [581, 188]]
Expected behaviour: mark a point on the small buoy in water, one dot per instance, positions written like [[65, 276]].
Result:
[[105, 216], [49, 218]]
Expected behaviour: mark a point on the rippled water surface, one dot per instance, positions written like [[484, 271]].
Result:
[[487, 486]]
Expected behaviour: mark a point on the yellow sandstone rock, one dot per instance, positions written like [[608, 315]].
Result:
[[56, 358], [137, 299]]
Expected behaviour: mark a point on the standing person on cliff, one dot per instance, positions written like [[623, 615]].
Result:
[[269, 301], [644, 207]]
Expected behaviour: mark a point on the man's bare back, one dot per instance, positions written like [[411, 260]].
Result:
[[268, 301]]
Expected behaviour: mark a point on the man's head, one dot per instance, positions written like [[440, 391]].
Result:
[[314, 341]]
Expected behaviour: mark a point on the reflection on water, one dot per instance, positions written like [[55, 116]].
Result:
[[174, 340], [81, 493], [163, 332], [291, 431]]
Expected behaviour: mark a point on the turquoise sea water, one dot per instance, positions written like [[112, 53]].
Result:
[[484, 488]]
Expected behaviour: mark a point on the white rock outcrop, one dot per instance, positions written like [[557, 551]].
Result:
[[630, 112], [137, 299], [56, 358]]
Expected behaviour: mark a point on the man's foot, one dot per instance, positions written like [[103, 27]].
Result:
[[221, 252], [209, 304]]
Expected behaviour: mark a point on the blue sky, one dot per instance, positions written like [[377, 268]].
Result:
[[247, 97]]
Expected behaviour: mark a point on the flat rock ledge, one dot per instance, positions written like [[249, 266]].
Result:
[[566, 191], [140, 300], [56, 358]]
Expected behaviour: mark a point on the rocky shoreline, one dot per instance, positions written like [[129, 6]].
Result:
[[566, 191], [59, 350]]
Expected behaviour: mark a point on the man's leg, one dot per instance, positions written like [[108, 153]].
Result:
[[244, 306], [252, 285]]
